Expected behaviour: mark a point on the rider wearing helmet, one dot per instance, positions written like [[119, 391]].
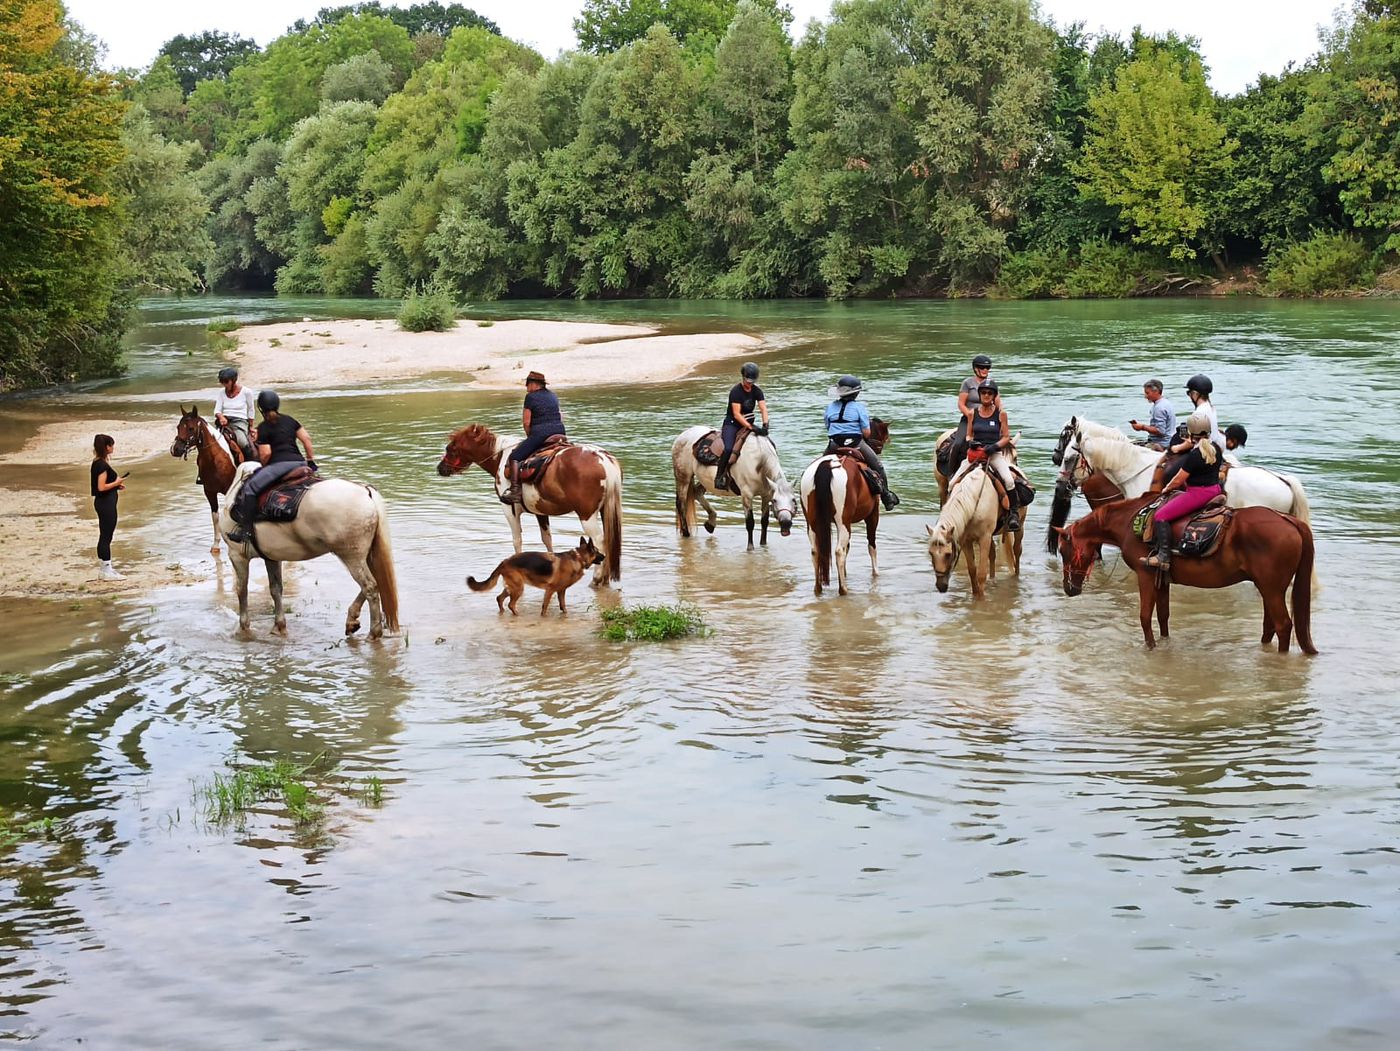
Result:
[[541, 418], [1199, 478], [745, 400], [968, 401], [992, 432], [233, 409], [278, 435], [848, 426], [1198, 389]]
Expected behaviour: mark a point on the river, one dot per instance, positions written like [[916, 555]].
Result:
[[897, 819]]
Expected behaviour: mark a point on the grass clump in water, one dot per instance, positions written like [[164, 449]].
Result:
[[652, 623], [227, 798], [223, 324], [372, 791], [431, 310], [11, 832]]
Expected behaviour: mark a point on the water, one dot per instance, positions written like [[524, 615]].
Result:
[[896, 819]]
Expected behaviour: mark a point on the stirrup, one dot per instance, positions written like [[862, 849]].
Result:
[[1013, 521], [721, 481], [239, 535]]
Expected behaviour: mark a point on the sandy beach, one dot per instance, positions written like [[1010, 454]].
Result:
[[494, 355]]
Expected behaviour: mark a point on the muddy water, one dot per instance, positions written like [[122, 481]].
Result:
[[896, 819]]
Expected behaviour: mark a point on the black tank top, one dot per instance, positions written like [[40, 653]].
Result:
[[986, 430]]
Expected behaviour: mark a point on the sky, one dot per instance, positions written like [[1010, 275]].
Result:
[[1239, 38]]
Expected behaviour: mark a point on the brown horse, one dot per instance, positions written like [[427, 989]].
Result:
[[1262, 545], [836, 495], [216, 464], [583, 480]]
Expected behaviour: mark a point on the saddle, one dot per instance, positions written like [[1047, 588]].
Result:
[[1195, 536], [283, 500], [709, 447], [532, 468], [231, 440]]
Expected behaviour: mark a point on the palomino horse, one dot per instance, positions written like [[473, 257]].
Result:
[[944, 482], [835, 495], [1260, 544], [757, 472], [214, 461], [966, 526], [337, 517], [583, 480]]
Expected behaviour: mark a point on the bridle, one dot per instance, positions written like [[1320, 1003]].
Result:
[[181, 446]]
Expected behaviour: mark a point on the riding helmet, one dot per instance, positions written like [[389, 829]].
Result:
[[1198, 426], [990, 385], [1201, 384], [227, 373], [846, 387], [749, 371], [268, 401], [981, 362]]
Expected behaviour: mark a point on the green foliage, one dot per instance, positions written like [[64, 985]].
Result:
[[1110, 271], [1326, 262], [360, 78], [227, 798], [1035, 273], [210, 55], [651, 623], [226, 324], [1156, 151], [239, 258], [430, 18], [430, 310], [13, 832], [610, 25], [345, 264]]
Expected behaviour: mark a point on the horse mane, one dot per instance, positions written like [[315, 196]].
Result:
[[1098, 430], [960, 506], [474, 432], [1115, 456]]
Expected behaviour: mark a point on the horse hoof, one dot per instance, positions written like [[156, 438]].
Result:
[[352, 627], [709, 528], [214, 550], [281, 629], [376, 634]]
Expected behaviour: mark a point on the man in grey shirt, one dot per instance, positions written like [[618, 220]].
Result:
[[1160, 427]]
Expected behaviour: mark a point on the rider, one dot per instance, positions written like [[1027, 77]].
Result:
[[991, 431], [848, 427], [278, 435], [233, 408], [1235, 438], [1198, 389], [1160, 427], [1200, 475], [541, 418], [745, 398], [967, 405]]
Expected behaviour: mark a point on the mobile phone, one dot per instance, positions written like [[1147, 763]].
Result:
[[127, 475]]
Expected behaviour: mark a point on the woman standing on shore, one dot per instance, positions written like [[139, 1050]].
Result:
[[105, 485]]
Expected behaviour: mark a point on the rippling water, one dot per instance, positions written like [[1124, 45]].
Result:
[[896, 819]]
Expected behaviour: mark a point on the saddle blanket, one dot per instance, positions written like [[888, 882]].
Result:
[[710, 446], [283, 500], [1197, 535], [532, 468]]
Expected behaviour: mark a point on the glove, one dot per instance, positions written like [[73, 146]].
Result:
[[761, 430], [312, 465]]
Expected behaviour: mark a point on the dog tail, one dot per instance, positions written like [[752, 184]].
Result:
[[381, 567], [612, 517], [488, 583]]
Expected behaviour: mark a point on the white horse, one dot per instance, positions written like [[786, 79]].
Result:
[[966, 526], [336, 517], [756, 471]]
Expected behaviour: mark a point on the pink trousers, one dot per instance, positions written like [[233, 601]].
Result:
[[1183, 503]]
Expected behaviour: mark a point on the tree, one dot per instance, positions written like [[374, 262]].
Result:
[[210, 55], [238, 257], [609, 25], [361, 78], [433, 17], [1157, 152], [163, 242]]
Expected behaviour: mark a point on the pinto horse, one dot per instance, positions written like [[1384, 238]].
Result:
[[835, 495], [582, 480], [1265, 546], [215, 462], [756, 472]]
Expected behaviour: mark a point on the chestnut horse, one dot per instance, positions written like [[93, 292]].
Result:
[[1265, 546], [836, 495], [583, 480], [214, 460]]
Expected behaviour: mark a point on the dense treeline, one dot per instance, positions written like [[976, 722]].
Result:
[[692, 148]]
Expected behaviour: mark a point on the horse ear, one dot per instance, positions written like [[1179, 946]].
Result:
[[1060, 529], [929, 528]]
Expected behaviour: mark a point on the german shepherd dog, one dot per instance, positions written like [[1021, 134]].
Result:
[[554, 573]]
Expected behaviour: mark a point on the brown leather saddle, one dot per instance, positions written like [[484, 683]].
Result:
[[283, 500], [231, 440], [1198, 534], [532, 468], [709, 447]]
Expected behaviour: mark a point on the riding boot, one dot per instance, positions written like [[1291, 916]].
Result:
[[512, 495], [1161, 557], [888, 497], [239, 533], [722, 473], [1013, 514]]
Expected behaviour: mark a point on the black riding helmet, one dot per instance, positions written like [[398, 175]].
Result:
[[268, 401], [749, 371], [981, 362], [227, 373], [988, 385], [1201, 384]]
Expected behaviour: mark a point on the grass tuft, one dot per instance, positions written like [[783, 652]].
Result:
[[484, 324], [652, 623], [224, 324], [372, 791], [227, 797]]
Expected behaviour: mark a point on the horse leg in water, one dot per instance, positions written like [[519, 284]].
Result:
[[1276, 610], [843, 546], [981, 557], [710, 514], [513, 517], [1164, 609], [240, 576], [274, 584], [545, 534], [1147, 601], [763, 529], [871, 524], [213, 497], [593, 529], [1268, 633], [748, 518], [369, 590]]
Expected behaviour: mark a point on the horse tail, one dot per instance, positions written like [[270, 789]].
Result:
[[1059, 515], [823, 517], [612, 517], [685, 492], [1302, 590], [381, 566], [1301, 510], [484, 585]]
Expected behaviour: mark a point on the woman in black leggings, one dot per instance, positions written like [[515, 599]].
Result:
[[105, 485]]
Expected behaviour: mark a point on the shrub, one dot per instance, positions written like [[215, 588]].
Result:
[[651, 623], [1105, 271], [1325, 262], [224, 324], [431, 310], [1036, 273]]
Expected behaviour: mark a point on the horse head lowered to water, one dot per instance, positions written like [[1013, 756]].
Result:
[[756, 472]]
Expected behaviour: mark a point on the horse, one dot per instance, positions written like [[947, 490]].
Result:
[[944, 481], [967, 526], [836, 495], [582, 480], [214, 461], [336, 517], [1086, 448], [1261, 545], [756, 471]]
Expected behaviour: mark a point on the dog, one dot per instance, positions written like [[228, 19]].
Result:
[[554, 573]]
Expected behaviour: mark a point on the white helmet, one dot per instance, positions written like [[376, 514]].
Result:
[[1198, 426]]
